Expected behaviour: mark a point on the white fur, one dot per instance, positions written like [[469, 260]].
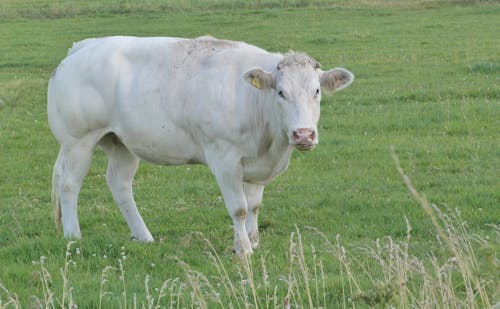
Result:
[[177, 101]]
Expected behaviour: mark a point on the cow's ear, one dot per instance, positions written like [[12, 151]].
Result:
[[259, 79], [336, 79]]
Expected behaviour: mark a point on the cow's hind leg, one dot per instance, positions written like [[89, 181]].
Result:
[[253, 193], [122, 167], [69, 171]]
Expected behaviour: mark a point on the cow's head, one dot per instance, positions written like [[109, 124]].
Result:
[[296, 83]]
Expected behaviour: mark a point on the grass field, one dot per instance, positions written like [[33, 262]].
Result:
[[335, 228]]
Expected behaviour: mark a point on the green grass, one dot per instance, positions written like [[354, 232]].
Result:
[[427, 82]]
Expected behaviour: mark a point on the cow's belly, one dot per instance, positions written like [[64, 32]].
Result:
[[166, 154], [164, 147]]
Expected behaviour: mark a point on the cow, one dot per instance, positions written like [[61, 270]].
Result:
[[234, 107]]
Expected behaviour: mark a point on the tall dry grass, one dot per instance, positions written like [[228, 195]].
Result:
[[383, 274]]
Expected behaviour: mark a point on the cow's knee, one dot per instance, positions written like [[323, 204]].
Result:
[[240, 214]]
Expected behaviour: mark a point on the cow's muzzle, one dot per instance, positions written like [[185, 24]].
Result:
[[304, 139]]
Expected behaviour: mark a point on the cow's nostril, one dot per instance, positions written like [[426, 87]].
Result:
[[312, 135]]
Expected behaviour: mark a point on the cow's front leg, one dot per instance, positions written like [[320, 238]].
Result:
[[253, 193], [229, 174], [234, 198]]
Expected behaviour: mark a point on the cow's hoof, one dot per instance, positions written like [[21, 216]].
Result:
[[74, 235], [242, 253], [254, 240], [143, 238]]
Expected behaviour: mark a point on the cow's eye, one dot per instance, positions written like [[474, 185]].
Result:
[[281, 94], [316, 94]]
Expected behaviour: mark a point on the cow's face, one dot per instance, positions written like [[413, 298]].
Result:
[[296, 84]]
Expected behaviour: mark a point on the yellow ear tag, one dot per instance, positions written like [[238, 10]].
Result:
[[256, 83]]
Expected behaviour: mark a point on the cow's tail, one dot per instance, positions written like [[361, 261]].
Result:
[[56, 201]]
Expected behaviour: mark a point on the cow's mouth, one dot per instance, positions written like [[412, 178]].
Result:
[[304, 147]]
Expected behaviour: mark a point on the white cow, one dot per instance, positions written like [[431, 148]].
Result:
[[232, 106]]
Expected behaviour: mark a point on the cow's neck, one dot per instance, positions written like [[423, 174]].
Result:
[[273, 143]]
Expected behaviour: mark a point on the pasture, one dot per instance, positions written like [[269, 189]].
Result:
[[339, 229]]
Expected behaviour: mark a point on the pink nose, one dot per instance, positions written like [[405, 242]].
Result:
[[304, 136]]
